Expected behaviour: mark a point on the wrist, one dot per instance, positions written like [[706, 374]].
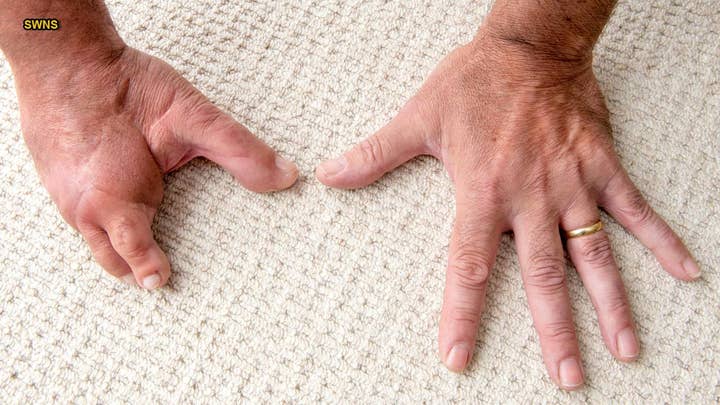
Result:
[[523, 65], [85, 36], [558, 48], [37, 68], [559, 29]]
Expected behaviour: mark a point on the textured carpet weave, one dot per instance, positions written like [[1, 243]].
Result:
[[315, 294]]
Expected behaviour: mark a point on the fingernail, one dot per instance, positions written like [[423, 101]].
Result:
[[457, 359], [333, 167], [570, 373], [627, 344], [128, 279], [691, 268], [285, 165], [151, 282]]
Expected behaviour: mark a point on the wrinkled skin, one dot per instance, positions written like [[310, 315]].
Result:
[[103, 135], [525, 137]]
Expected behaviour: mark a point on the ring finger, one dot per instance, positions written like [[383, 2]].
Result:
[[592, 256]]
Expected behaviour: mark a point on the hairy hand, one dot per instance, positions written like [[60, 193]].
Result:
[[102, 136], [525, 137]]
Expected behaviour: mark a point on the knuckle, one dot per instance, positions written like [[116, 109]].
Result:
[[597, 251], [96, 239], [202, 115], [209, 120], [562, 331], [374, 150], [637, 208], [570, 166], [600, 149], [483, 189], [126, 238], [546, 273], [472, 270], [537, 183], [464, 315], [617, 303]]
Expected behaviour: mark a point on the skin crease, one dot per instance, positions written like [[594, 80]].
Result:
[[105, 125], [516, 116], [525, 137]]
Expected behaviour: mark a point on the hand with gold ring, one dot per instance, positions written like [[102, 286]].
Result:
[[524, 133]]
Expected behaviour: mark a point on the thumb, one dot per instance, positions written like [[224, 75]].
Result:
[[212, 134], [399, 141]]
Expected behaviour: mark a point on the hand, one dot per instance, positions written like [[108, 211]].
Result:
[[103, 135], [525, 137]]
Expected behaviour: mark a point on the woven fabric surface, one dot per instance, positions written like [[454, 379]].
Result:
[[314, 294]]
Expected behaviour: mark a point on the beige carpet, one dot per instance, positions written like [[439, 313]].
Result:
[[315, 294]]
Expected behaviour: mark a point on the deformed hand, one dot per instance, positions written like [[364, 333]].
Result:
[[102, 136]]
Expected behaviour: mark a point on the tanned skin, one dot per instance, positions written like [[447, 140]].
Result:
[[104, 122], [516, 116], [519, 121]]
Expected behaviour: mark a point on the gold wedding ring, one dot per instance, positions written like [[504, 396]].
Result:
[[588, 230]]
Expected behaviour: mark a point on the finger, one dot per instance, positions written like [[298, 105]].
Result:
[[626, 204], [473, 247], [216, 136], [543, 270], [596, 266], [106, 256], [401, 140], [129, 231]]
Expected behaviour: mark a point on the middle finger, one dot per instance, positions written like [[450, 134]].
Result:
[[543, 269]]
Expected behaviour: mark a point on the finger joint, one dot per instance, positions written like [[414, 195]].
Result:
[[616, 303], [464, 315], [638, 209], [472, 270], [374, 150], [560, 331], [596, 251], [126, 239], [546, 273]]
